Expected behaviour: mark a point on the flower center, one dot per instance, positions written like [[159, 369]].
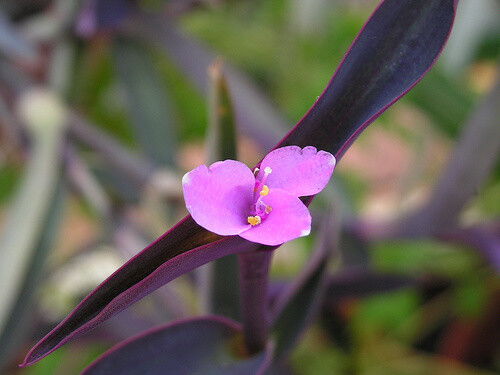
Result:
[[259, 210]]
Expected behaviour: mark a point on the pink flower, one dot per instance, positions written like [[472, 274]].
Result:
[[263, 206]]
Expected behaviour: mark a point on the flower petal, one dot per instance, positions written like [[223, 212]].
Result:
[[219, 197], [300, 172], [288, 220]]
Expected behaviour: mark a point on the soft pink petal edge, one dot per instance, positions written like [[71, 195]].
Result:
[[289, 219], [299, 171], [219, 197]]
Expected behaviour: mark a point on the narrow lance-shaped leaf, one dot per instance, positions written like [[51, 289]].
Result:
[[395, 49], [18, 324], [44, 117], [222, 142], [222, 145], [397, 46], [208, 345], [150, 108]]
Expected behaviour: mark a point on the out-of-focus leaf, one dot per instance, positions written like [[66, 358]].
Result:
[[206, 345], [222, 142], [357, 283], [296, 307], [12, 43], [98, 15], [147, 100], [396, 48], [484, 239], [354, 249], [44, 118], [136, 169], [474, 157], [18, 322], [222, 145], [254, 112]]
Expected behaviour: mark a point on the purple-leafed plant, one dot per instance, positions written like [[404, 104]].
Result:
[[235, 211]]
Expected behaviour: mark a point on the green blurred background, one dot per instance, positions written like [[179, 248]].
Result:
[[290, 49]]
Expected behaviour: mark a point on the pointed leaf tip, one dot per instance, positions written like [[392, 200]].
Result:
[[397, 46]]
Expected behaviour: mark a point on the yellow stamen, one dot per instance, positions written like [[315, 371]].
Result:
[[264, 191], [268, 209], [254, 220]]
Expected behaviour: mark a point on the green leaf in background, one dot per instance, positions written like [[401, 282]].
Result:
[[222, 145], [222, 142], [45, 118], [18, 322], [147, 100], [428, 256]]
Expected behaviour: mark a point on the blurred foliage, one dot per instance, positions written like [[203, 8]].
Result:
[[293, 66]]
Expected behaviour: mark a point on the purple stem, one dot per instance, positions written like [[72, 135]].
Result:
[[254, 277]]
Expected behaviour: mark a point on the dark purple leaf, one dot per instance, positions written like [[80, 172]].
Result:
[[177, 252], [396, 48], [208, 345]]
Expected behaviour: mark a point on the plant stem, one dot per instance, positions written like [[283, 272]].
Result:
[[254, 276]]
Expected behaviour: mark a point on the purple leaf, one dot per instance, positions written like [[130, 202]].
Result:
[[207, 345], [395, 49], [178, 251]]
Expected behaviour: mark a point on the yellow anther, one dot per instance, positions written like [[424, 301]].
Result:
[[254, 220], [264, 191], [268, 209]]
